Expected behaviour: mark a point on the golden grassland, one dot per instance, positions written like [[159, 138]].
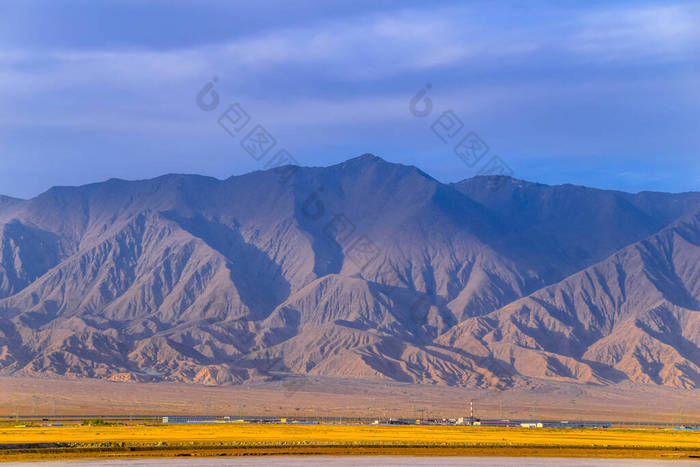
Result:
[[411, 434], [244, 439]]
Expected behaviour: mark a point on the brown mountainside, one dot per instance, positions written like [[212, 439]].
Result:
[[365, 269]]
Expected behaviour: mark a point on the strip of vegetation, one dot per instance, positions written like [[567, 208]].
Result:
[[99, 421], [131, 447]]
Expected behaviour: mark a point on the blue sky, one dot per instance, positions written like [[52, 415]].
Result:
[[605, 94]]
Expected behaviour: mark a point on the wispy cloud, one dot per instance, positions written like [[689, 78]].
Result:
[[375, 46], [659, 32], [562, 79], [369, 47]]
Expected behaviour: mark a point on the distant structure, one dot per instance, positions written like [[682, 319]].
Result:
[[471, 420]]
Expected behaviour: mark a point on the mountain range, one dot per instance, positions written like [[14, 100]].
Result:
[[365, 269]]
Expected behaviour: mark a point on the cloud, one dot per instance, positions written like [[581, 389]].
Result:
[[97, 87], [668, 32], [370, 47], [558, 80]]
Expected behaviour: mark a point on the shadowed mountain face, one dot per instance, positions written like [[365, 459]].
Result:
[[365, 269]]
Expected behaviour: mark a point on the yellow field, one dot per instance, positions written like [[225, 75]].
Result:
[[352, 439], [361, 434]]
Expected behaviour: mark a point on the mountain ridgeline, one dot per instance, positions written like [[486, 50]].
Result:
[[365, 269]]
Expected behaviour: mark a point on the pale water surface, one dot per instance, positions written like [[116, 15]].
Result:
[[300, 461]]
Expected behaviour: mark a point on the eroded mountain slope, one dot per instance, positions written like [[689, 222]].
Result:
[[364, 269]]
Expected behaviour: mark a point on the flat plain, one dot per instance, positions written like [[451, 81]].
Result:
[[332, 400], [324, 397]]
